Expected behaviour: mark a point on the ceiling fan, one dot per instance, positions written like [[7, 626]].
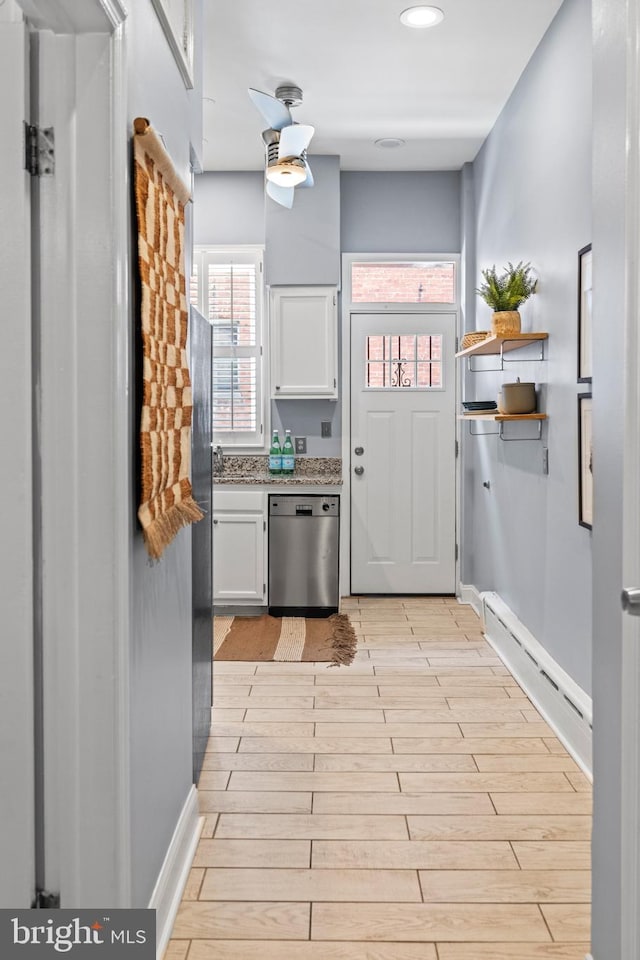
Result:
[[285, 142]]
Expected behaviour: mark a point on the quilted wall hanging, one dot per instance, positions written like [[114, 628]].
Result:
[[166, 499]]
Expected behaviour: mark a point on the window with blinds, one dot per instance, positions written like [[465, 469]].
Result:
[[227, 287]]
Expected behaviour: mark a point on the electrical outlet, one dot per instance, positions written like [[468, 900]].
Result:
[[301, 444], [325, 428]]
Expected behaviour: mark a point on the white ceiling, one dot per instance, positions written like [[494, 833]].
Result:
[[366, 76]]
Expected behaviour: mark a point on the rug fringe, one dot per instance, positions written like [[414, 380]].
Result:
[[162, 530], [345, 642]]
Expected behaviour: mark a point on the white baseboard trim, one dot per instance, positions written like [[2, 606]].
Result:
[[558, 698], [467, 593], [172, 878]]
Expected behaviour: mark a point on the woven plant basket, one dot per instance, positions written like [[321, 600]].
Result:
[[476, 336], [505, 322]]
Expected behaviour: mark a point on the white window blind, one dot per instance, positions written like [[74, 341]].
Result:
[[230, 294]]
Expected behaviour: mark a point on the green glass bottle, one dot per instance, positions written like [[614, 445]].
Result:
[[288, 455], [275, 454]]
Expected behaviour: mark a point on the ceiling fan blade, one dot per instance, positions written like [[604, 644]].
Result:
[[294, 140], [281, 195], [274, 111], [309, 181]]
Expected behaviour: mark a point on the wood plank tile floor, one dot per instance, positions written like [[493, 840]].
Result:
[[411, 806]]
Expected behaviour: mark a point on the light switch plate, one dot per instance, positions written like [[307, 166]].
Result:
[[301, 444], [325, 428]]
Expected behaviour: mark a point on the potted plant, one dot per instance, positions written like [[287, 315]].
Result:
[[504, 293]]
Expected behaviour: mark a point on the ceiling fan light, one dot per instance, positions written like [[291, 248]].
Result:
[[421, 17], [287, 173]]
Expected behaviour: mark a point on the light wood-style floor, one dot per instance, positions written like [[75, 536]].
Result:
[[412, 806]]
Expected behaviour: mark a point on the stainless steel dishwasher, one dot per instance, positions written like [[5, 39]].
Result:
[[303, 555]]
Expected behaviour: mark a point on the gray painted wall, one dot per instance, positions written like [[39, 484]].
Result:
[[303, 244], [400, 212], [611, 101], [161, 719], [533, 202], [379, 212], [303, 418], [229, 208]]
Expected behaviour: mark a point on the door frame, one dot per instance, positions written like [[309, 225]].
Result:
[[17, 841], [85, 551], [347, 308], [630, 681]]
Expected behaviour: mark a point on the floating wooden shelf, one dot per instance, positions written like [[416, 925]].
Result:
[[499, 345], [502, 417]]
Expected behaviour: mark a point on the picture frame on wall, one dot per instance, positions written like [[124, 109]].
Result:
[[585, 461], [585, 284], [176, 19]]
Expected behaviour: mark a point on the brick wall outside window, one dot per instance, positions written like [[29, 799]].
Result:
[[403, 283]]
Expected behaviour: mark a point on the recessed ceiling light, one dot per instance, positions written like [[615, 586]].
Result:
[[421, 17], [389, 143]]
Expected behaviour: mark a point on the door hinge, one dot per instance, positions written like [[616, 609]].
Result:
[[264, 525], [456, 551], [457, 344], [264, 589], [46, 901], [39, 150], [457, 448], [334, 300]]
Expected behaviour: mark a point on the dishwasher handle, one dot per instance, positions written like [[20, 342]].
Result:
[[304, 511]]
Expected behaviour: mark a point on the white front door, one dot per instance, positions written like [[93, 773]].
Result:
[[403, 453]]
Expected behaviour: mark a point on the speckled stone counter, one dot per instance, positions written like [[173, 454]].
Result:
[[309, 471]]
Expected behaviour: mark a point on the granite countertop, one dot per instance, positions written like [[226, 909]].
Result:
[[309, 471]]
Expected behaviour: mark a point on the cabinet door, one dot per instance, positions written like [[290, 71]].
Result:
[[238, 558], [303, 342]]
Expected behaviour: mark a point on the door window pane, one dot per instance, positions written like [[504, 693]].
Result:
[[403, 361]]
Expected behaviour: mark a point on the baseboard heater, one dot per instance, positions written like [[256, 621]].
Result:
[[558, 698]]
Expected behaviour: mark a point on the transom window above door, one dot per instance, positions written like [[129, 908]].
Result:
[[411, 361], [403, 282]]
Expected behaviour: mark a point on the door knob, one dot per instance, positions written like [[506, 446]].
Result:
[[631, 601], [359, 471], [359, 451]]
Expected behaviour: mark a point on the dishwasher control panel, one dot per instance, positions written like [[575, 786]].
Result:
[[290, 505]]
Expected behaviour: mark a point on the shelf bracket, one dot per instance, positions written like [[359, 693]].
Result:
[[484, 433], [520, 439], [539, 359], [504, 359], [473, 369]]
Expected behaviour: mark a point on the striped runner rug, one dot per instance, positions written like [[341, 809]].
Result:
[[285, 639]]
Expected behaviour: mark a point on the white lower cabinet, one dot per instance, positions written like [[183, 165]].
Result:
[[239, 547]]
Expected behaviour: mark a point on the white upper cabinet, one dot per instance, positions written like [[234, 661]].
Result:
[[303, 342]]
